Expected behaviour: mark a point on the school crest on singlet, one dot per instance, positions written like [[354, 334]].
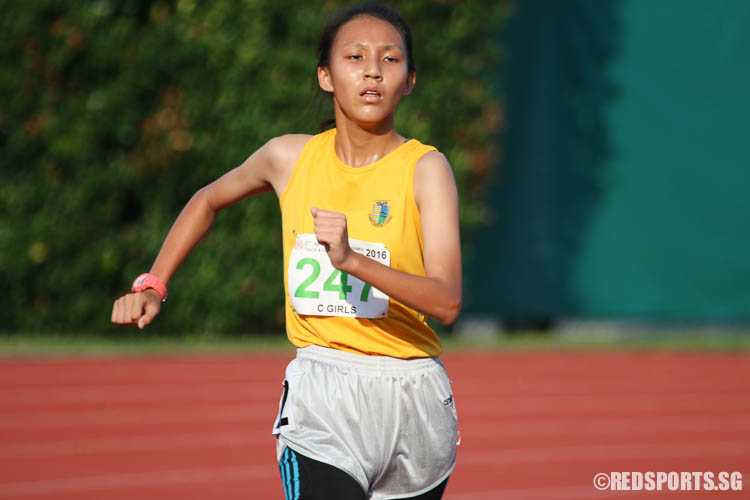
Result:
[[381, 213]]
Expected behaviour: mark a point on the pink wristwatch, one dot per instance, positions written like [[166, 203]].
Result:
[[147, 280]]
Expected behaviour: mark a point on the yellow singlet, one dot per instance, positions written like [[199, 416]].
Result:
[[326, 307]]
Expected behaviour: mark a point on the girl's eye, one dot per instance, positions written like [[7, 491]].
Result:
[[391, 59], [354, 57]]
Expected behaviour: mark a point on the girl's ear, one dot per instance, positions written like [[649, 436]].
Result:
[[411, 80], [324, 79]]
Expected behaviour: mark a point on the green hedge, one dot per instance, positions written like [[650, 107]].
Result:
[[113, 113]]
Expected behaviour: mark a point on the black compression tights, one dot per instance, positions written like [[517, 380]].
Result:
[[306, 479]]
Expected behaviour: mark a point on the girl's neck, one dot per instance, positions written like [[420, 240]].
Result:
[[357, 147]]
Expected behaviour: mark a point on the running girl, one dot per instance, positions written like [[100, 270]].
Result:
[[371, 247]]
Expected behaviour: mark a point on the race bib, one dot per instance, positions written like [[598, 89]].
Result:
[[317, 288]]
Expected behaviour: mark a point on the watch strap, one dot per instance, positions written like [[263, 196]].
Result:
[[148, 280]]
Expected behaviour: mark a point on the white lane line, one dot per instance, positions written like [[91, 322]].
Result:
[[188, 370], [102, 418], [14, 398], [607, 425], [563, 405], [582, 388], [137, 479], [544, 493], [78, 447], [577, 453]]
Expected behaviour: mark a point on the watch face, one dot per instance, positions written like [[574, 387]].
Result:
[[139, 281]]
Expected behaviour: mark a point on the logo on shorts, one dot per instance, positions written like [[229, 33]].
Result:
[[381, 213], [449, 401]]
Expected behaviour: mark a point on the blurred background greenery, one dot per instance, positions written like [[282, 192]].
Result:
[[599, 148], [112, 113]]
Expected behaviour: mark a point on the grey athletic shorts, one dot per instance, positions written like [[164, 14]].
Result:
[[390, 423]]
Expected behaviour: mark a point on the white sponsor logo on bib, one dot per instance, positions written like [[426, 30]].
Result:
[[319, 289]]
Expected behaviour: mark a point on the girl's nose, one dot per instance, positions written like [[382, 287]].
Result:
[[373, 70]]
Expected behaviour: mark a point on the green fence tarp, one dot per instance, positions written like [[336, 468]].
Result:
[[624, 188]]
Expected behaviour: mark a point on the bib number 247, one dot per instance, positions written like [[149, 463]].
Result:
[[317, 288]]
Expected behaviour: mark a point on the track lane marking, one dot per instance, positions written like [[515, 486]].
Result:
[[137, 479]]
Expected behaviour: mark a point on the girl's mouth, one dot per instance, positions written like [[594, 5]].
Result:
[[371, 95]]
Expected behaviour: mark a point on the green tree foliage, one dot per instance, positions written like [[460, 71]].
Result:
[[113, 113]]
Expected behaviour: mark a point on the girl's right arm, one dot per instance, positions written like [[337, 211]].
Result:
[[269, 168]]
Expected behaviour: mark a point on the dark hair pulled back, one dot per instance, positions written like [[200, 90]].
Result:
[[331, 29]]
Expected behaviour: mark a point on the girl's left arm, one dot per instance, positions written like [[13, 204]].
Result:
[[438, 293]]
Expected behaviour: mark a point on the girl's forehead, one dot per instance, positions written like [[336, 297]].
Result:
[[368, 30]]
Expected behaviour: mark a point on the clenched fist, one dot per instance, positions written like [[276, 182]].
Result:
[[136, 308], [331, 231]]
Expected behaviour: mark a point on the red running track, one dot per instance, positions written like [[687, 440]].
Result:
[[534, 425]]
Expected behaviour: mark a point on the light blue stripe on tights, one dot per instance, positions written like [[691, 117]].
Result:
[[284, 467], [295, 466]]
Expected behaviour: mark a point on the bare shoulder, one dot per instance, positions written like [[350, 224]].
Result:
[[284, 150], [433, 159], [282, 153], [432, 176]]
